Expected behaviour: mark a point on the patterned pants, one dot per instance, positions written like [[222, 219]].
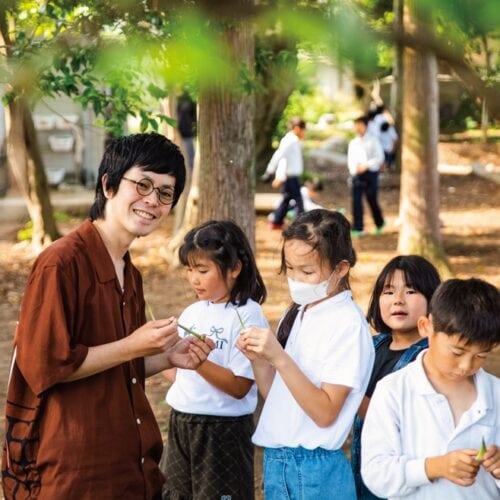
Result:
[[208, 458]]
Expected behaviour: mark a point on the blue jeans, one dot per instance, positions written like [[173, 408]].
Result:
[[362, 492], [365, 184], [301, 474]]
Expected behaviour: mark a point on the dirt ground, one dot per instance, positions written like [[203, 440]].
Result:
[[470, 210]]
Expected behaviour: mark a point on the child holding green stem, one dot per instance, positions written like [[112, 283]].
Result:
[[426, 422], [209, 450], [314, 372]]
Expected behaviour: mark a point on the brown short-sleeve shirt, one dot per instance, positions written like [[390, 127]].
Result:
[[94, 438]]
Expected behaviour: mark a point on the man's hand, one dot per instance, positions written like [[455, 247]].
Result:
[[154, 337], [276, 184], [361, 168], [190, 352]]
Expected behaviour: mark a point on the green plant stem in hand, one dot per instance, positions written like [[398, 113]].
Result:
[[149, 312], [482, 451], [239, 317], [192, 332]]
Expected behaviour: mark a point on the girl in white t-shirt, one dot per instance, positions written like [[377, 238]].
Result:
[[314, 372], [209, 451]]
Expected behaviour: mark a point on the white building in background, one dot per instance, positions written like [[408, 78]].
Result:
[[334, 82], [71, 143]]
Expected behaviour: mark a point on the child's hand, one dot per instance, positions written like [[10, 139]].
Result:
[[190, 352], [241, 344], [491, 461], [458, 466], [260, 343]]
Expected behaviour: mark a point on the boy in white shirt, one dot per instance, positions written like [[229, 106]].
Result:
[[426, 422]]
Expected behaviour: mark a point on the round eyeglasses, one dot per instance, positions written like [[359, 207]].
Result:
[[145, 187]]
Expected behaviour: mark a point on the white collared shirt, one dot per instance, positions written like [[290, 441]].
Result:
[[191, 393], [366, 149], [408, 421], [287, 159], [330, 343]]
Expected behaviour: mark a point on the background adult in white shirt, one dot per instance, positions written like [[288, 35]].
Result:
[[365, 157], [287, 166]]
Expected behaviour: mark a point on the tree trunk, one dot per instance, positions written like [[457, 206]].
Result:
[[27, 168], [169, 108], [223, 184], [419, 197], [397, 84], [277, 76], [226, 142]]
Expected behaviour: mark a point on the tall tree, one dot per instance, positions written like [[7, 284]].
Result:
[[23, 152], [226, 140], [419, 197]]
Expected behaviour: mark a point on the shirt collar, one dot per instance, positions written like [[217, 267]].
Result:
[[484, 400], [95, 247]]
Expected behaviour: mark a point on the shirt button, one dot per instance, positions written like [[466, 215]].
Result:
[[134, 380], [138, 420], [142, 460], [123, 303]]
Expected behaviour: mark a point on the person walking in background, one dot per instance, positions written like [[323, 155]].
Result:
[[365, 157], [287, 165], [209, 450], [388, 138], [78, 423], [186, 124]]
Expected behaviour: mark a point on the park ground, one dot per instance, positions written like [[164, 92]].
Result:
[[470, 211]]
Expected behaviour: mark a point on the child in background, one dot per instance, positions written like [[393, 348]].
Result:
[[209, 451], [426, 422], [314, 373], [402, 294], [310, 191]]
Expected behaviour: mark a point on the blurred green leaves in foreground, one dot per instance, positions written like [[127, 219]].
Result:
[[121, 57]]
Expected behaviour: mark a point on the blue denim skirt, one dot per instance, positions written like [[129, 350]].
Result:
[[301, 474]]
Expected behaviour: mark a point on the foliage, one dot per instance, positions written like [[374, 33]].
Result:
[[26, 232]]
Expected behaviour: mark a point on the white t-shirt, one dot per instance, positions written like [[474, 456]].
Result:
[[191, 393], [330, 343], [287, 159], [365, 149], [388, 138], [408, 421]]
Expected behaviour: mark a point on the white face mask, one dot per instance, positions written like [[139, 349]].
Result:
[[307, 293]]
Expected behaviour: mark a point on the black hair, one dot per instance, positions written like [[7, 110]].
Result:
[[296, 121], [362, 119], [327, 232], [419, 274], [152, 152], [469, 308], [225, 244], [379, 109]]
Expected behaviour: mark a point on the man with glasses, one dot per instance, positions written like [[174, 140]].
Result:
[[78, 423]]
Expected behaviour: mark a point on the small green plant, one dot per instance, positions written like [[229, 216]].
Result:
[[242, 324], [192, 332], [26, 232], [481, 452]]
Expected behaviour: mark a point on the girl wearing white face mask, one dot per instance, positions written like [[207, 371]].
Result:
[[314, 372]]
